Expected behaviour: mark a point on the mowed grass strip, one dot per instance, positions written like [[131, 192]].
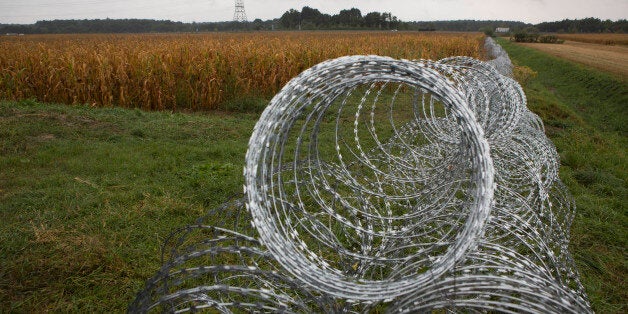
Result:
[[586, 116], [87, 196]]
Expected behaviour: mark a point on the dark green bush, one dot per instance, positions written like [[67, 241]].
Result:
[[550, 39], [488, 31], [523, 37]]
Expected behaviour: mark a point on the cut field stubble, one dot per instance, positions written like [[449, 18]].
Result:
[[613, 59]]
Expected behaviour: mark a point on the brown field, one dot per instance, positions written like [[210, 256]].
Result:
[[612, 59], [192, 71], [602, 39]]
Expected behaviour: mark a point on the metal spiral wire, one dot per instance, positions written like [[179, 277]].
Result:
[[499, 57], [373, 183]]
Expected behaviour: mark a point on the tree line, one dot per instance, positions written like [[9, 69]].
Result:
[[307, 19], [588, 25], [120, 26], [310, 18]]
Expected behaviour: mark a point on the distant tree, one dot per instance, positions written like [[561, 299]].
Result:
[[351, 17], [258, 24], [393, 21], [387, 18], [314, 19], [590, 25], [621, 26], [291, 19], [373, 20], [310, 15], [488, 31]]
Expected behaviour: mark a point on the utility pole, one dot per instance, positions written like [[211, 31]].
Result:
[[239, 15]]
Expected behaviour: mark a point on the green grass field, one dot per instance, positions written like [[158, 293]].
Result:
[[88, 195], [585, 113]]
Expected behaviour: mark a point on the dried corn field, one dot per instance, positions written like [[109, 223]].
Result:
[[191, 71]]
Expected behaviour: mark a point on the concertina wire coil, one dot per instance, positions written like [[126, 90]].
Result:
[[376, 184]]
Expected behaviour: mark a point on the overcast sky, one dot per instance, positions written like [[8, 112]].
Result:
[[531, 11]]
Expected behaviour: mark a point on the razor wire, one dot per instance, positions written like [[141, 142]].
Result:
[[498, 57], [373, 183]]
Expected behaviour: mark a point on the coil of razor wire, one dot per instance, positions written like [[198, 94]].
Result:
[[380, 184], [499, 57]]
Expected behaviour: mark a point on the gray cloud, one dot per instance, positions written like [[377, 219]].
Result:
[[534, 11]]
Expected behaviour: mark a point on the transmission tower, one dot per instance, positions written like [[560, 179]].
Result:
[[239, 15]]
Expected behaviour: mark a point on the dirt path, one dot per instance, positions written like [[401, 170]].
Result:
[[613, 59]]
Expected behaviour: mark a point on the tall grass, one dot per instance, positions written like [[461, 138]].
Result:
[[191, 71]]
